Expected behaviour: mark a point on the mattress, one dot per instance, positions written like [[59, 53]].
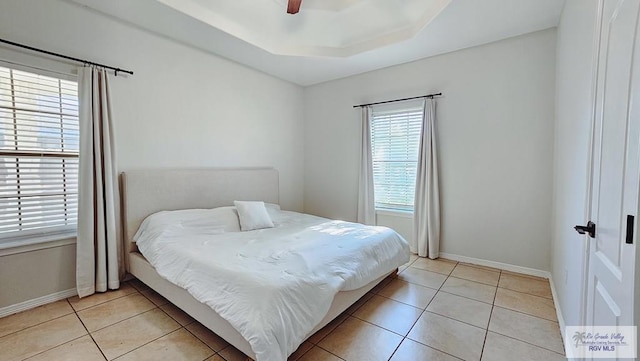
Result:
[[272, 285]]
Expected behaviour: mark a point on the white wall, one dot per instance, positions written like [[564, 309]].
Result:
[[29, 275], [573, 127], [495, 133], [182, 108]]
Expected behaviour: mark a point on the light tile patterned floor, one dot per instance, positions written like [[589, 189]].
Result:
[[433, 310]]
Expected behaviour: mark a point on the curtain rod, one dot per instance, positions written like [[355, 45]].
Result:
[[399, 100], [116, 70]]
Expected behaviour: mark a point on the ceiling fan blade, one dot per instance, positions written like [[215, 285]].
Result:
[[294, 6]]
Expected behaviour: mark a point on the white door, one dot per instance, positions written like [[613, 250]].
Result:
[[615, 166]]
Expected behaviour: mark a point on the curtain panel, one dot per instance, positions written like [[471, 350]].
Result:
[[366, 200], [426, 212], [99, 260]]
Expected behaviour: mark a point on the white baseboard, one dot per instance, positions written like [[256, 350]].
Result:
[[498, 265], [561, 323], [29, 304], [555, 301]]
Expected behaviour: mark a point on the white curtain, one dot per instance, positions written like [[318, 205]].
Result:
[[98, 250], [366, 203], [426, 227]]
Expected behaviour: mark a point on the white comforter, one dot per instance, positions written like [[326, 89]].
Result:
[[273, 285]]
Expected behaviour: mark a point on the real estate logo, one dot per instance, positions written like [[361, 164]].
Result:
[[601, 341]]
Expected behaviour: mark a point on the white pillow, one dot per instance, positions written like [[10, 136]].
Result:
[[253, 215]]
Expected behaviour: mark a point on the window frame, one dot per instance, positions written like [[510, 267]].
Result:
[[47, 237], [394, 110]]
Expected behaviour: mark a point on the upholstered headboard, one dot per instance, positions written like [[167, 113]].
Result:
[[145, 192]]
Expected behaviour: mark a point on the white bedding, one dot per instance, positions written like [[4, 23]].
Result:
[[273, 285]]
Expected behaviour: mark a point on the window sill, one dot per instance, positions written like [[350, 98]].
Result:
[[35, 243], [392, 213]]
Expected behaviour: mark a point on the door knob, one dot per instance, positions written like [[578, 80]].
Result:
[[590, 229]]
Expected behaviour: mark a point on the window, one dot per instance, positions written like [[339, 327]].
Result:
[[39, 145], [395, 138]]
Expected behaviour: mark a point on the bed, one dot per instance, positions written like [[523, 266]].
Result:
[[147, 192]]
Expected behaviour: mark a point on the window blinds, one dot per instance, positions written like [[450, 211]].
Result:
[[395, 138], [39, 144]]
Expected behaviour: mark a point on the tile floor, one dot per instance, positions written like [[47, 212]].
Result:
[[433, 310]]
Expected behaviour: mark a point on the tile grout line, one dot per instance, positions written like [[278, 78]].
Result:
[[304, 353], [414, 322], [338, 325], [431, 347], [422, 313], [102, 303], [527, 293], [526, 279], [396, 349], [404, 303], [468, 298], [403, 337], [528, 343], [155, 339], [73, 312], [88, 333], [47, 350], [77, 338], [526, 314], [425, 310], [440, 290], [524, 293], [384, 328], [454, 319], [480, 267], [481, 283], [55, 318], [346, 318], [520, 312], [426, 269], [324, 349], [147, 295], [174, 318], [198, 338], [124, 319], [37, 324], [146, 343], [357, 308], [493, 305]]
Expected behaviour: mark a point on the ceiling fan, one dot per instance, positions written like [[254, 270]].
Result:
[[293, 6]]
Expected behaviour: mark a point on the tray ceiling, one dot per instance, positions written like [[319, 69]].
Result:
[[329, 28], [330, 39]]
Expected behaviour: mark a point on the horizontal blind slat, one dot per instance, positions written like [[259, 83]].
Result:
[[25, 97], [8, 114], [36, 209]]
